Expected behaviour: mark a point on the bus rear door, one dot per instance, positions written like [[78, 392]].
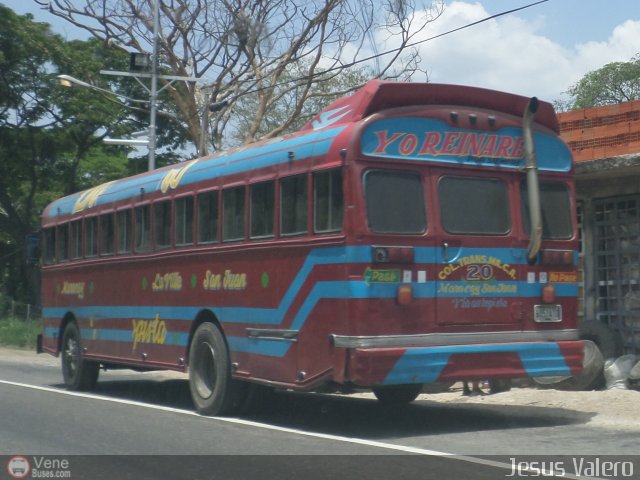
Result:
[[477, 264]]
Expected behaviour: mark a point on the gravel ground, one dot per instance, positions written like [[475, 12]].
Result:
[[618, 409]]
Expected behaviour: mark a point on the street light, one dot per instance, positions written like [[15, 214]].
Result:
[[69, 81]]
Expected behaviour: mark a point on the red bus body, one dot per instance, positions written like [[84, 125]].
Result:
[[381, 296]]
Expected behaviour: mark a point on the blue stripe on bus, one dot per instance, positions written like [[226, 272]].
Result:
[[426, 364], [241, 160], [321, 290]]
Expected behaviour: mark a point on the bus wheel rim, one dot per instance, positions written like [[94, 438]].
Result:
[[71, 356]]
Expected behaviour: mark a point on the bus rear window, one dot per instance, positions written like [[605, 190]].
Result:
[[395, 202], [472, 205], [555, 208]]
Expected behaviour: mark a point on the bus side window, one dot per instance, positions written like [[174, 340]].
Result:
[[123, 221], [328, 201], [63, 242], [233, 217], [106, 234], [91, 236], [262, 209], [49, 244], [184, 221], [143, 228], [207, 217], [162, 224], [293, 205], [76, 239]]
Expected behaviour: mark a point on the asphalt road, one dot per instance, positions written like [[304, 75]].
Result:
[[148, 419]]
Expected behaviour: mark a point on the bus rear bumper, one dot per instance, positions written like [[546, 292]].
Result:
[[396, 366]]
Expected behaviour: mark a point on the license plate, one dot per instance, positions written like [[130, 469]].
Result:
[[547, 313]]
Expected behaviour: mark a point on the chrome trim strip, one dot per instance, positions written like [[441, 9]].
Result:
[[273, 334], [446, 339]]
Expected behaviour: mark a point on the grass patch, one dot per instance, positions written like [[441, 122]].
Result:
[[19, 333]]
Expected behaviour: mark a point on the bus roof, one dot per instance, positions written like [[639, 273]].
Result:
[[314, 139], [377, 95]]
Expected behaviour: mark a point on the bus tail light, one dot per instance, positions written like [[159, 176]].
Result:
[[548, 293], [556, 257], [405, 294], [392, 254]]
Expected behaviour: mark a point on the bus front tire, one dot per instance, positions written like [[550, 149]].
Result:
[[213, 390], [397, 395], [79, 374]]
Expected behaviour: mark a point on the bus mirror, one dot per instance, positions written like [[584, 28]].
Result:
[[32, 242]]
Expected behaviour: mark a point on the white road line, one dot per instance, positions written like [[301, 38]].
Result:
[[266, 426]]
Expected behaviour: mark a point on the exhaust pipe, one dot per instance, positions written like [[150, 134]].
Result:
[[533, 187]]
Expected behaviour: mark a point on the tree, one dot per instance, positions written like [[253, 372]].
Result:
[[50, 138], [331, 87], [252, 47], [613, 83]]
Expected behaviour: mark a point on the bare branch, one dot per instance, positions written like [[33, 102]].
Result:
[[243, 48]]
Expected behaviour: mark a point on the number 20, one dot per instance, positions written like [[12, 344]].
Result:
[[479, 272]]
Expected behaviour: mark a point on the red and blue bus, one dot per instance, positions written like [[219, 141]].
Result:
[[409, 234]]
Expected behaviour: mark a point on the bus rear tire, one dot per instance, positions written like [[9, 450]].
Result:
[[213, 390], [78, 374], [397, 395]]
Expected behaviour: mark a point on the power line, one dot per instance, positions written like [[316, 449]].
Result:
[[393, 50]]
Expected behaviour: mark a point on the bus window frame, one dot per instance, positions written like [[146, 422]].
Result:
[[571, 204], [155, 246], [49, 245], [329, 171], [221, 213], [308, 206], [86, 250], [218, 202], [59, 227], [80, 252], [101, 251], [273, 181], [149, 243], [131, 237], [424, 176], [192, 196], [440, 174]]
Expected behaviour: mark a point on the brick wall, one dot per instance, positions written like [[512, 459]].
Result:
[[602, 132]]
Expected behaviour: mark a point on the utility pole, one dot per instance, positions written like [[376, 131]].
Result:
[[153, 90], [153, 94]]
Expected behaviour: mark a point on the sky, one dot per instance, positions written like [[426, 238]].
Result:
[[541, 51]]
